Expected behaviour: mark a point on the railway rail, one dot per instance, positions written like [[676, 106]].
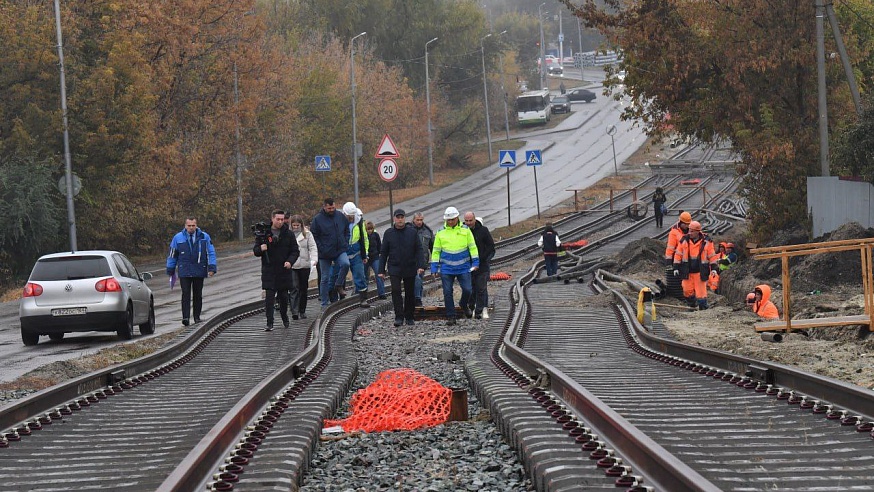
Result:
[[588, 397]]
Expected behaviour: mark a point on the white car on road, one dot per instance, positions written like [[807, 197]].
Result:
[[85, 291]]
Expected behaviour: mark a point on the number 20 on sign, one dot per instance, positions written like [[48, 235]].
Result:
[[388, 170]]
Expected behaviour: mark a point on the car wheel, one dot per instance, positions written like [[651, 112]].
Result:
[[56, 336], [126, 330], [29, 338], [148, 327]]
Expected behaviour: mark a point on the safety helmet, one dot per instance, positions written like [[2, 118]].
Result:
[[724, 245], [686, 217], [729, 245], [349, 208], [450, 213], [694, 226]]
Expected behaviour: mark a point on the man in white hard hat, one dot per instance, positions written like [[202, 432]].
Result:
[[454, 256], [357, 251]]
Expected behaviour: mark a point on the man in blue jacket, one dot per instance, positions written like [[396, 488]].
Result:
[[331, 233], [193, 255]]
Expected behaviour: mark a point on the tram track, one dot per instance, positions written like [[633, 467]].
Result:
[[599, 402], [652, 412], [54, 419]]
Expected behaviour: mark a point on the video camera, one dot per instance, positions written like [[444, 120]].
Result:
[[262, 233]]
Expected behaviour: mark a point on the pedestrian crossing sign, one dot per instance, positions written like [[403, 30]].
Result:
[[323, 163], [507, 158], [533, 157]]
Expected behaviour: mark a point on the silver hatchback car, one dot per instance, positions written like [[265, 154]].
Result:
[[85, 291]]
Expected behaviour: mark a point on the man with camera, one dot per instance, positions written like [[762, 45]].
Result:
[[192, 253], [278, 249]]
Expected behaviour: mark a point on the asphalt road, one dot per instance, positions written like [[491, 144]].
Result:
[[576, 154]]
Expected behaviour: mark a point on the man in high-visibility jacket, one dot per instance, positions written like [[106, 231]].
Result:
[[454, 256], [760, 302], [677, 231], [694, 260]]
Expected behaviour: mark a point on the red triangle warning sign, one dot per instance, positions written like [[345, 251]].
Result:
[[387, 148]]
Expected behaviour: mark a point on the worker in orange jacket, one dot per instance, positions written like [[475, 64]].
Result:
[[678, 230], [760, 302], [694, 260]]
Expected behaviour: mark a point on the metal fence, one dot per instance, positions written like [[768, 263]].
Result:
[[833, 202]]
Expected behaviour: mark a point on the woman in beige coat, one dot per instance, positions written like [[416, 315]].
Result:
[[309, 257]]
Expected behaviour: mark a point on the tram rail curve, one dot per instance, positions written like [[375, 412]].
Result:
[[655, 413]]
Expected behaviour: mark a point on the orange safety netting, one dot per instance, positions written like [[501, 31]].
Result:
[[499, 276], [575, 244], [399, 399]]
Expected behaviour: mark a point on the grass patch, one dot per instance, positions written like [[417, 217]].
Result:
[[58, 372]]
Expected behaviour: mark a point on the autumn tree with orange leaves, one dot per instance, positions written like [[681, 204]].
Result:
[[744, 70], [155, 118]]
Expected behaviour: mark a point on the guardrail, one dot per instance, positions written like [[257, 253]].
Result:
[[596, 58]]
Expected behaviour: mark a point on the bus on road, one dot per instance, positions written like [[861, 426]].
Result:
[[533, 107]]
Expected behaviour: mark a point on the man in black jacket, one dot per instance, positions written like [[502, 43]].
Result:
[[426, 236], [485, 244], [331, 232], [401, 254], [278, 252]]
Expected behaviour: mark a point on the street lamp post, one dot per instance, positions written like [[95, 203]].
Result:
[[611, 130], [354, 123], [68, 165], [486, 94], [542, 60], [430, 129]]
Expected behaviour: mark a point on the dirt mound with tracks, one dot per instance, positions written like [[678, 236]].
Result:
[[827, 284]]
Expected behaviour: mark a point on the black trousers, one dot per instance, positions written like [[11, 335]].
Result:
[[406, 305], [300, 284], [659, 217], [480, 282], [282, 294], [189, 285]]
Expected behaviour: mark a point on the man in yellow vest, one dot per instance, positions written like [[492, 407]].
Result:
[[454, 256]]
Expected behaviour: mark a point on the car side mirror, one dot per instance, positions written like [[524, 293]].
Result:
[[146, 276]]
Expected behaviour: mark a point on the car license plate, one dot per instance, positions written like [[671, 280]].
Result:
[[68, 311]]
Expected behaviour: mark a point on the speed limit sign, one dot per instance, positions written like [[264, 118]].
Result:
[[388, 170]]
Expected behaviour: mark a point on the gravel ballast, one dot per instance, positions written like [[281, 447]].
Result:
[[470, 455]]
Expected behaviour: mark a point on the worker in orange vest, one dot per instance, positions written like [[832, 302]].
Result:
[[677, 231], [694, 260], [760, 302]]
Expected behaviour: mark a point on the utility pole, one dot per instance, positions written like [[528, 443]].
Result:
[[504, 92], [560, 40], [486, 95], [542, 57], [354, 127], [68, 165], [580, 34], [430, 129], [239, 170], [820, 72]]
